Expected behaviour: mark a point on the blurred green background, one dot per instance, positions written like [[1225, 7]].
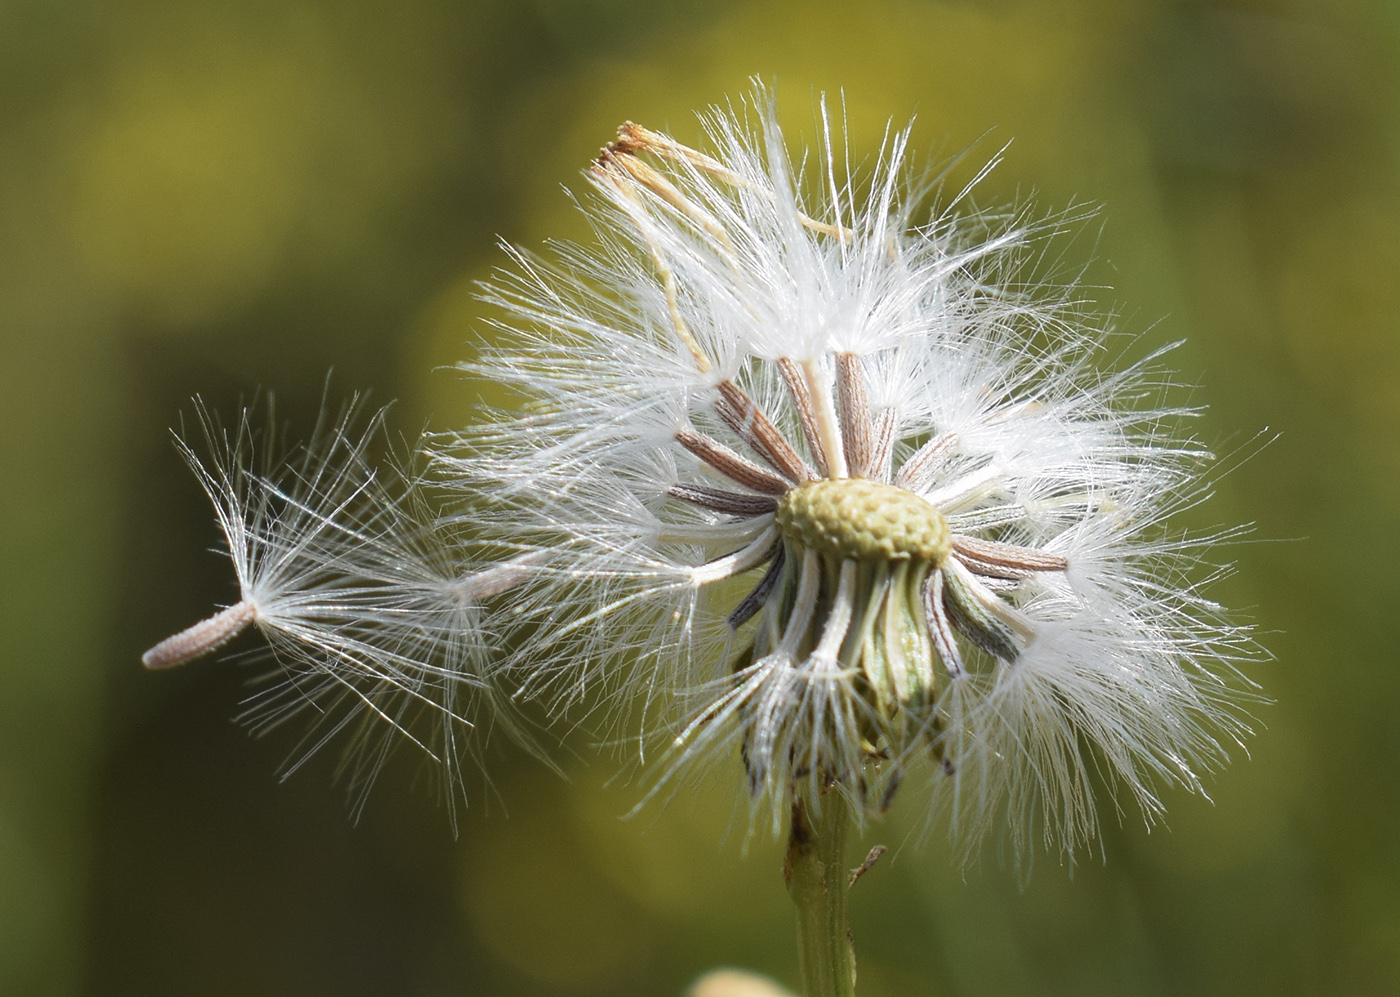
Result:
[[214, 196]]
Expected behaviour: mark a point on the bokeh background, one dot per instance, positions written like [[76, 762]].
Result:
[[219, 196]]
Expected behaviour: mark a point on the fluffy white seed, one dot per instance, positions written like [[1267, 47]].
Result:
[[741, 330]]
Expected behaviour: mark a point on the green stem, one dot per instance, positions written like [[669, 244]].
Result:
[[818, 880]]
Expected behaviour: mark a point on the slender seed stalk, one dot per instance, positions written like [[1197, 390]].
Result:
[[818, 880]]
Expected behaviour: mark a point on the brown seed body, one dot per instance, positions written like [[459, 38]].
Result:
[[198, 640]]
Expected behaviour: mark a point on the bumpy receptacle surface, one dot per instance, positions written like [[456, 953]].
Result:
[[863, 520]]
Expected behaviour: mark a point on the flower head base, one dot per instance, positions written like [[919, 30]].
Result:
[[866, 589], [850, 492], [861, 520]]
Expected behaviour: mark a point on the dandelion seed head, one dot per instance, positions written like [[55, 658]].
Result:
[[844, 493]]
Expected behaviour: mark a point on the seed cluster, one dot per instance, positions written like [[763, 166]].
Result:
[[863, 520]]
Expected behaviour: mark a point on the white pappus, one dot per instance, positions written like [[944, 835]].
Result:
[[367, 602], [818, 485]]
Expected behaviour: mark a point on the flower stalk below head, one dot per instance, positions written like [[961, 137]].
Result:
[[818, 881]]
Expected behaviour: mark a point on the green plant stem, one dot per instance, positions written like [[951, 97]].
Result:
[[818, 880]]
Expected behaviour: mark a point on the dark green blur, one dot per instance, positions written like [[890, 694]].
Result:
[[220, 196]]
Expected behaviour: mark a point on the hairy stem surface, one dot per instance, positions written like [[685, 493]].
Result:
[[818, 880]]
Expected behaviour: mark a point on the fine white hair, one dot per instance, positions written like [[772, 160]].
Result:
[[748, 320]]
